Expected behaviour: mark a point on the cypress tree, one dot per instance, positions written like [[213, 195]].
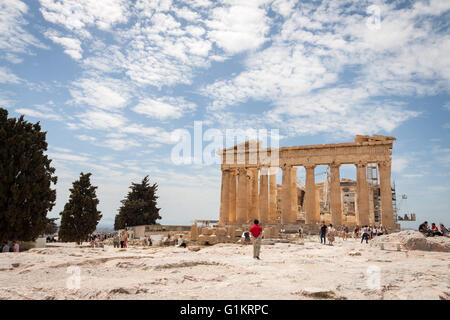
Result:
[[80, 216], [139, 207], [26, 176]]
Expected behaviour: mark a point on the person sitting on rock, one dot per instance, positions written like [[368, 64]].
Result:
[[444, 230], [246, 237], [425, 230], [435, 230], [181, 242]]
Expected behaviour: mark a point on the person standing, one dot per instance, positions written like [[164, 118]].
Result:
[[256, 231], [323, 233], [331, 234], [116, 240], [365, 234], [16, 247], [125, 238]]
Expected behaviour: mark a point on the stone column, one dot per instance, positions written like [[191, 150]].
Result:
[[294, 196], [286, 197], [362, 195], [254, 196], [387, 210], [225, 197], [242, 195], [335, 195], [273, 195], [264, 196], [311, 214], [232, 197]]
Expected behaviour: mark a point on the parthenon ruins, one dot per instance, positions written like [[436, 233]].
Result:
[[249, 183]]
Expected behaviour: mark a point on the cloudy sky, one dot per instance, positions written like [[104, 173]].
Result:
[[111, 80]]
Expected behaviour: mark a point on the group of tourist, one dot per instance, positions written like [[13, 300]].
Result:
[[50, 239], [120, 239], [366, 233], [434, 231], [6, 247]]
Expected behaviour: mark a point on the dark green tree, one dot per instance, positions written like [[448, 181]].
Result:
[[139, 207], [51, 227], [26, 176], [80, 216]]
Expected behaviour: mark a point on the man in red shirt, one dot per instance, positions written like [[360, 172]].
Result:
[[256, 232]]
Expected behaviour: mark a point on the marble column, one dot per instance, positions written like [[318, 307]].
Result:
[[232, 197], [254, 196], [311, 214], [273, 195], [362, 195], [242, 196], [264, 196], [225, 197], [293, 196], [335, 195], [286, 199], [387, 210]]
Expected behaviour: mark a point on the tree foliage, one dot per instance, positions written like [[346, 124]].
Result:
[[25, 179], [80, 216], [139, 207], [51, 227]]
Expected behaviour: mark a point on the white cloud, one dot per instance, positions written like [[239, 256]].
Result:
[[120, 144], [6, 76], [104, 93], [78, 14], [239, 25], [72, 46], [84, 137], [399, 163], [163, 108], [38, 114], [67, 157], [101, 120], [14, 39]]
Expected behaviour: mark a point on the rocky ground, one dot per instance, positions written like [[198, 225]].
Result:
[[347, 270]]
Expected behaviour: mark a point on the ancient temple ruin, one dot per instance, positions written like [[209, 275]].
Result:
[[249, 187]]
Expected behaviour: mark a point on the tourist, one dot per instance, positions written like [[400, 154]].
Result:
[[330, 234], [425, 230], [116, 240], [356, 232], [5, 247], [323, 233], [444, 230], [300, 232], [246, 237], [16, 247], [435, 230], [125, 238], [121, 239], [150, 241], [256, 232], [181, 243], [365, 234]]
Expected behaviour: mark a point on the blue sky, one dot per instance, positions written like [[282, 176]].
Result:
[[112, 80]]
